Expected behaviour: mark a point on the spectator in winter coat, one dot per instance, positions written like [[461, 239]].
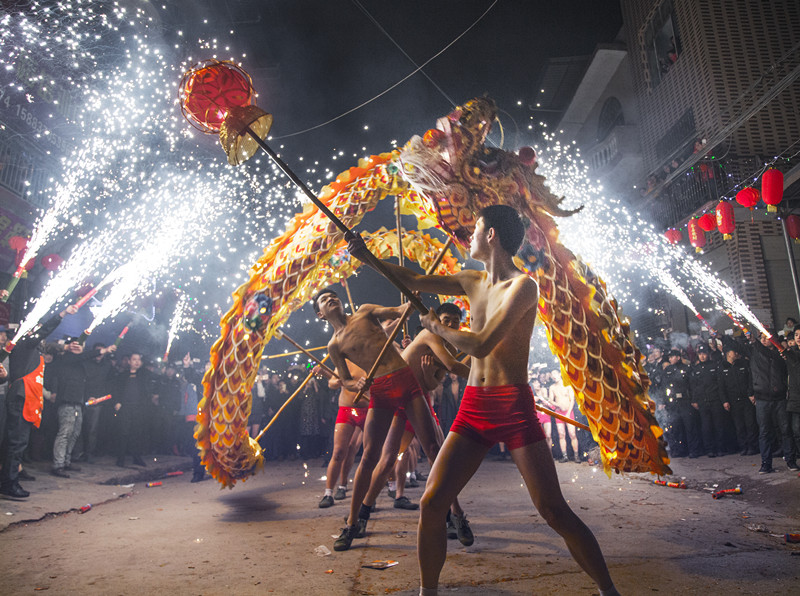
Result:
[[24, 402], [768, 388]]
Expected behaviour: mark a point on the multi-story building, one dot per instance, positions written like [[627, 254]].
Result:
[[704, 96]]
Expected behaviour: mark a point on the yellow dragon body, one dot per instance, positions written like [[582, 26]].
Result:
[[444, 178]]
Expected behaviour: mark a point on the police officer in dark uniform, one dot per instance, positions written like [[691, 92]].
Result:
[[654, 367], [735, 379], [684, 434], [707, 397]]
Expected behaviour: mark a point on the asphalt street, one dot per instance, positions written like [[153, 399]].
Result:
[[267, 535]]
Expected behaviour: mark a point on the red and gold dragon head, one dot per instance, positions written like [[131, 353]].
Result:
[[452, 166]]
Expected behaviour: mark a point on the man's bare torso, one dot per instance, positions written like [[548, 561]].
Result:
[[507, 363], [361, 340]]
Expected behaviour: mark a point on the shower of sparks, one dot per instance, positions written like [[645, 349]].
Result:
[[130, 169], [669, 282], [79, 265], [627, 251], [178, 321]]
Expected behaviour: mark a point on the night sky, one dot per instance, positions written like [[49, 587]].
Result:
[[312, 61]]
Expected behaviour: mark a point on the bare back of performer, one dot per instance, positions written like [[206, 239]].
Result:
[[503, 303]]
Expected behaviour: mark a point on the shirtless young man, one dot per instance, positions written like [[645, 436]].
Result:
[[348, 427], [424, 348], [359, 339], [563, 398], [497, 404]]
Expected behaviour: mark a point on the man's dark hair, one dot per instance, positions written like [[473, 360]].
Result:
[[317, 296], [450, 309], [507, 225]]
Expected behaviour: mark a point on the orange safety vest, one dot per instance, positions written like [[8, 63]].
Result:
[[34, 401]]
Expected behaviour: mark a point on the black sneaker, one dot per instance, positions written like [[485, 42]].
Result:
[[766, 469], [463, 531], [340, 494], [421, 476], [412, 483], [392, 493], [361, 527], [23, 475], [345, 539], [452, 533], [326, 501], [792, 465], [60, 472], [15, 492], [405, 503]]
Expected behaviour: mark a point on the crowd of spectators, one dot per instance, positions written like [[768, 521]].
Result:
[[723, 395], [730, 394]]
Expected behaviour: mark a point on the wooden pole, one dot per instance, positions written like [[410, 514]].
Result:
[[281, 335], [403, 317], [286, 403], [295, 352], [349, 296], [373, 260], [400, 255], [562, 417]]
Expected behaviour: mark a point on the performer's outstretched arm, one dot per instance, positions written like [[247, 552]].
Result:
[[452, 285]]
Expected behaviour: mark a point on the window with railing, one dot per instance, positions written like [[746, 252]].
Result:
[[661, 41], [610, 117]]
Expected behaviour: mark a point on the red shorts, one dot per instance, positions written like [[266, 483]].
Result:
[[402, 415], [543, 418], [395, 390], [352, 416], [506, 414]]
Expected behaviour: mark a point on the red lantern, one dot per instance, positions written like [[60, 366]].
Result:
[[18, 243], [748, 197], [772, 188], [210, 89], [52, 262], [793, 227], [673, 236], [725, 219], [707, 222], [697, 237]]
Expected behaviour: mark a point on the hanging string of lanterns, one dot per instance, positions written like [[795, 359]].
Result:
[[723, 218]]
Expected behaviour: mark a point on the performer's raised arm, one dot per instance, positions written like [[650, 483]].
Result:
[[452, 285]]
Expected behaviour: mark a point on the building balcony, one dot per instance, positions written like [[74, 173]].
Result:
[[622, 141]]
